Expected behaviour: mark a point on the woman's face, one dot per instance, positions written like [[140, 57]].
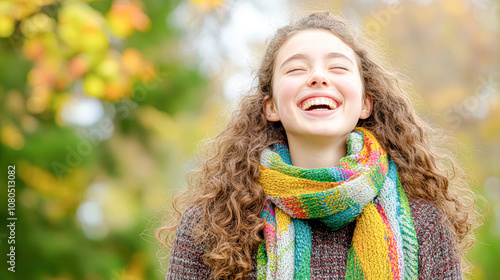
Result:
[[317, 87]]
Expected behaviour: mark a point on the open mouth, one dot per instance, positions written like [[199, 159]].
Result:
[[318, 104]]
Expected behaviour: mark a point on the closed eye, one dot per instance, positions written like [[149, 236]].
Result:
[[294, 70], [338, 67]]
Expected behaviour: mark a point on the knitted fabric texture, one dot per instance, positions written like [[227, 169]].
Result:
[[363, 186]]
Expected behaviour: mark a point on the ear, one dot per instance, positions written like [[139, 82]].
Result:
[[366, 108], [270, 110]]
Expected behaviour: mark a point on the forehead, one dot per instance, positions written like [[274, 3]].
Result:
[[313, 42]]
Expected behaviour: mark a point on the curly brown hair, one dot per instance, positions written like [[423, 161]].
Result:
[[225, 189]]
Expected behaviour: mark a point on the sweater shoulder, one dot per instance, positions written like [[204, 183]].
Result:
[[437, 253], [423, 211], [186, 256], [191, 215], [188, 221]]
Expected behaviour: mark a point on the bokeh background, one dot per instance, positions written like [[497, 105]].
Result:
[[103, 103]]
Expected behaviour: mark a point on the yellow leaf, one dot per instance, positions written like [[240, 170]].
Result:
[[127, 16], [207, 4], [7, 25], [39, 23], [94, 85], [95, 41], [11, 137], [115, 90], [120, 26], [81, 27], [109, 68], [132, 61], [39, 100]]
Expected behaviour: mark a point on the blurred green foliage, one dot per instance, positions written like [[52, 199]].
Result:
[[124, 54], [90, 196]]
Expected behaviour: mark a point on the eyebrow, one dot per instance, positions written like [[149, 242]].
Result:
[[299, 56]]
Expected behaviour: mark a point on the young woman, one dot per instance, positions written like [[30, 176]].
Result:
[[324, 172]]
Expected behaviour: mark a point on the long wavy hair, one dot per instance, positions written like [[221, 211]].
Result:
[[224, 186]]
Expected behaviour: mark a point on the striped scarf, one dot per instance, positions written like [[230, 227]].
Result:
[[363, 186]]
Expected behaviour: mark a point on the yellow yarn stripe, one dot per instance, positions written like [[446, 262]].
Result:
[[275, 184], [283, 220], [369, 241]]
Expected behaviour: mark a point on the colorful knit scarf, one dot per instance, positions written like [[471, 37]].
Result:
[[363, 186]]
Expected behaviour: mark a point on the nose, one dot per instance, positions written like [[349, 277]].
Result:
[[318, 77]]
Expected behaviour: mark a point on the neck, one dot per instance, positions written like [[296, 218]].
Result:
[[316, 154]]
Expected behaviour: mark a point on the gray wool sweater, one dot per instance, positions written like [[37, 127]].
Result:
[[437, 256]]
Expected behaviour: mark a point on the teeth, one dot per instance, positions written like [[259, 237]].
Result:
[[319, 101]]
